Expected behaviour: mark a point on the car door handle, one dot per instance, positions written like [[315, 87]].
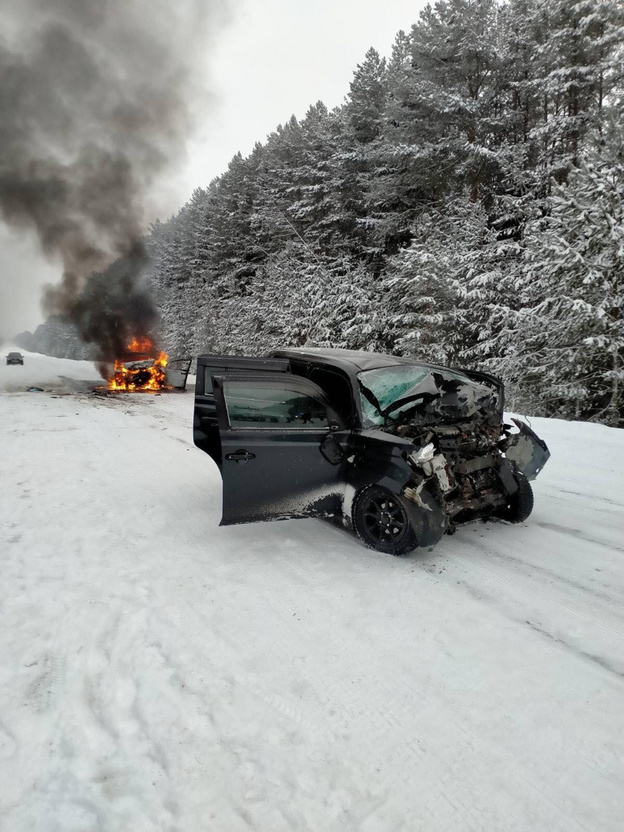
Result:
[[240, 456]]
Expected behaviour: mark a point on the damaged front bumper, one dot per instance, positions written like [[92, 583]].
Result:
[[467, 486], [527, 450]]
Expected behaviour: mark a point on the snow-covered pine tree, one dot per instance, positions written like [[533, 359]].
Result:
[[366, 102], [576, 65], [434, 289], [569, 335], [178, 260]]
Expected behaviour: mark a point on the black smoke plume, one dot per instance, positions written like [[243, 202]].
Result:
[[97, 101]]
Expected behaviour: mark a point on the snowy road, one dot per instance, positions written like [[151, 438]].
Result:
[[158, 672]]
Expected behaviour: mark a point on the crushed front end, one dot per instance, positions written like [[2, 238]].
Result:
[[465, 455]]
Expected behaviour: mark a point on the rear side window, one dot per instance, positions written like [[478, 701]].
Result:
[[263, 405]]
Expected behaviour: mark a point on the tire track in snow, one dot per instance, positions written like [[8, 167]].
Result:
[[577, 534], [43, 691], [572, 580], [555, 493], [404, 758], [519, 591], [576, 651]]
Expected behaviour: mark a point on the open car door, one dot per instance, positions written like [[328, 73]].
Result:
[[283, 448], [205, 424]]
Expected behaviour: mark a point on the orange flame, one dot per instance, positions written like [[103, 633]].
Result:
[[141, 373], [140, 345]]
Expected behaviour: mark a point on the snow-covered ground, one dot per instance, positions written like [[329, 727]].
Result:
[[158, 672]]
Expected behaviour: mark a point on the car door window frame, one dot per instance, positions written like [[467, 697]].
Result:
[[211, 365], [292, 382]]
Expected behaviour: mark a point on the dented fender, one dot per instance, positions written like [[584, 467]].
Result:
[[527, 450]]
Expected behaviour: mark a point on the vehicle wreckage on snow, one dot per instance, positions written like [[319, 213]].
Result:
[[400, 451]]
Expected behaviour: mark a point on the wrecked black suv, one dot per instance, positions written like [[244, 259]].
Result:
[[398, 450]]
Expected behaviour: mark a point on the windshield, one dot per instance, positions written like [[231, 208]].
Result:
[[389, 384]]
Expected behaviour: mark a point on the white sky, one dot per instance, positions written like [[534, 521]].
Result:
[[276, 59]]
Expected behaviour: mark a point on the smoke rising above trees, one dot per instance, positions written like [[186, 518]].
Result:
[[97, 101]]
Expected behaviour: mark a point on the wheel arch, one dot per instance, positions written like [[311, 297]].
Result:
[[428, 519]]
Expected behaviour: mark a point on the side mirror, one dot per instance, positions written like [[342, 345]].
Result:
[[332, 450]]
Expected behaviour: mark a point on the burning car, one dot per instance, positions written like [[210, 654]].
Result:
[[141, 369], [145, 369], [399, 450]]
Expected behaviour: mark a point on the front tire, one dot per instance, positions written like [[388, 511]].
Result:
[[520, 504], [381, 521]]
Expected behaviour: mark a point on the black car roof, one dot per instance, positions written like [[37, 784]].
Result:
[[358, 360]]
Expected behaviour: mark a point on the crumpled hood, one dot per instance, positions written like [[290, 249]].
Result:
[[439, 398]]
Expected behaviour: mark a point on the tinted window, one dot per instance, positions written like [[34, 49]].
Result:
[[263, 405]]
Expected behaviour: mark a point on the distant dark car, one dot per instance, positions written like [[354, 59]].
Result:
[[15, 358], [400, 451]]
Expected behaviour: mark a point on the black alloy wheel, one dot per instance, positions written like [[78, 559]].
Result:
[[382, 522]]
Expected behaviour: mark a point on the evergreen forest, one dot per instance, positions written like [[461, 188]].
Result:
[[463, 206]]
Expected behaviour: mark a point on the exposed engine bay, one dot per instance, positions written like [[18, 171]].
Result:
[[465, 452], [467, 464]]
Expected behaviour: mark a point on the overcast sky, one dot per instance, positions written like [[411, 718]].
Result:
[[276, 58]]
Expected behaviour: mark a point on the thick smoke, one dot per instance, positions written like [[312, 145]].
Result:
[[97, 100]]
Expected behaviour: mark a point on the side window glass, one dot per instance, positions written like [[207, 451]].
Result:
[[252, 405]]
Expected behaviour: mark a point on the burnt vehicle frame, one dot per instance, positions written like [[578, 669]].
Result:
[[300, 433]]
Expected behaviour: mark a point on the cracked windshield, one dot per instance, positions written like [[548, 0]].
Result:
[[389, 384]]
